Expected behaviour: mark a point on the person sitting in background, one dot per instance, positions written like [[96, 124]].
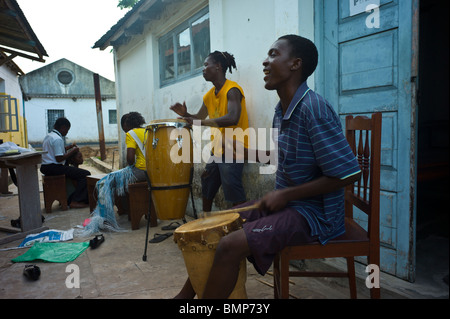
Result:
[[135, 135], [54, 160], [116, 183]]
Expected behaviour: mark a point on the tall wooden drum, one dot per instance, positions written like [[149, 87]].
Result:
[[198, 241], [169, 160]]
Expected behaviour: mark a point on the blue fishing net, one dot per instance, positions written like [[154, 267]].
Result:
[[103, 217]]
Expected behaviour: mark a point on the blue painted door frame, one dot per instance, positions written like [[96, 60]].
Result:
[[363, 69]]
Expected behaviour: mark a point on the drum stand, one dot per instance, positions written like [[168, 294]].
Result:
[[144, 257]]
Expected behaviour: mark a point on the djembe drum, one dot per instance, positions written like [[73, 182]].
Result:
[[198, 241], [168, 153]]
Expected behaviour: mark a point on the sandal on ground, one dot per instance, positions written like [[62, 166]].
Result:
[[171, 226], [96, 241], [160, 237], [32, 272]]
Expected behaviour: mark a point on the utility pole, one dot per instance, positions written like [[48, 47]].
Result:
[[98, 104]]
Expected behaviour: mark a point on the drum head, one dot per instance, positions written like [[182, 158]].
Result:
[[208, 223], [196, 230], [168, 122]]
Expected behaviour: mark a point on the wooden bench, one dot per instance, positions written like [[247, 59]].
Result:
[[138, 198], [54, 188]]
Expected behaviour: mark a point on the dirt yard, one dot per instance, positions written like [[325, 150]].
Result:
[[112, 153]]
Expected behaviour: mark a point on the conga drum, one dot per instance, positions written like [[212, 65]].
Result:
[[198, 241], [168, 152]]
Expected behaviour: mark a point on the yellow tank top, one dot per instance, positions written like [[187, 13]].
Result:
[[131, 143], [217, 106]]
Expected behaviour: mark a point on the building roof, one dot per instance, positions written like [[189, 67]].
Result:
[[64, 79], [17, 38], [132, 23]]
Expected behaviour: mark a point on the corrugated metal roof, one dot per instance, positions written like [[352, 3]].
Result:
[[104, 41], [17, 38], [132, 23]]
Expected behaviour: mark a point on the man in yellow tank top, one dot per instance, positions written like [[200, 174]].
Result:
[[224, 105]]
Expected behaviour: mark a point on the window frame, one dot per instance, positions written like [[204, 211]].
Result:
[[68, 71], [52, 115], [110, 117], [9, 114], [173, 35]]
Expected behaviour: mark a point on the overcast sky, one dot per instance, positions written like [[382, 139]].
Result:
[[69, 29]]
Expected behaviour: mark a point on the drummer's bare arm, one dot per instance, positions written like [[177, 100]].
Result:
[[278, 199], [181, 110], [131, 156], [202, 113], [234, 111]]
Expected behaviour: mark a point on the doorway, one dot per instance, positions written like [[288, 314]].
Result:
[[432, 219]]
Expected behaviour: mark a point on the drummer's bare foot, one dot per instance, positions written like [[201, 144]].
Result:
[[187, 292]]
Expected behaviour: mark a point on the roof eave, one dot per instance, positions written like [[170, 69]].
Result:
[[131, 24], [38, 48]]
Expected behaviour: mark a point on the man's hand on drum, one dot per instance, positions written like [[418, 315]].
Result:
[[273, 201], [180, 109], [68, 147], [189, 119]]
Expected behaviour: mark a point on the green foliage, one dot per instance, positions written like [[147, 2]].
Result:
[[123, 4]]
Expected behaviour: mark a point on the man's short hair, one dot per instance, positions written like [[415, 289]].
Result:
[[62, 121], [304, 49]]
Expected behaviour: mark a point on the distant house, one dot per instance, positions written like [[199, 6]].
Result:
[[66, 89]]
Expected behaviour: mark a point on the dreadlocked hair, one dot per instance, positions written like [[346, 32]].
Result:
[[225, 59]]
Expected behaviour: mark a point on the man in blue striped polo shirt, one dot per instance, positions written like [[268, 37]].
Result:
[[315, 163], [311, 145]]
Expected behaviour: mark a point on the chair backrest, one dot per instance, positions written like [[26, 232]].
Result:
[[364, 136]]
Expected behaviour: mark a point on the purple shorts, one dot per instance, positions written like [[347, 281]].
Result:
[[267, 234]]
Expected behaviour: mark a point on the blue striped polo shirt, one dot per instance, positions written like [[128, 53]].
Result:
[[311, 144]]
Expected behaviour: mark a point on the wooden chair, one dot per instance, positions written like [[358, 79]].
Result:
[[365, 195]]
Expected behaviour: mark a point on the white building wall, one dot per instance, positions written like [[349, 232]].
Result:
[[81, 113], [237, 26], [9, 84]]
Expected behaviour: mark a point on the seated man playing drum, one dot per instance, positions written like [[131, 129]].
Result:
[[315, 163], [55, 158]]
